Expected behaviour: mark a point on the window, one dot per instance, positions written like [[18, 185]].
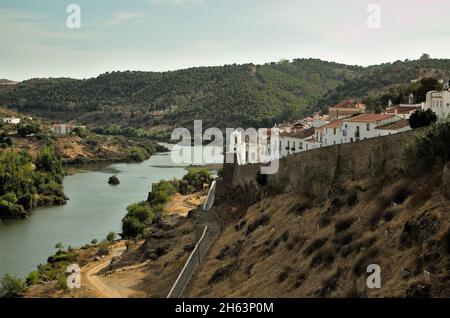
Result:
[[368, 127], [334, 131]]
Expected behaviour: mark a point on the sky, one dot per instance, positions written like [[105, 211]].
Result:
[[161, 35]]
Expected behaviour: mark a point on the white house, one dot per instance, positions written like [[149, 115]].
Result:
[[330, 134], [404, 110], [11, 120], [364, 126], [393, 128], [295, 142], [62, 129], [439, 102]]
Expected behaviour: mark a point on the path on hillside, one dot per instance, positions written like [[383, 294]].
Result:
[[94, 282]]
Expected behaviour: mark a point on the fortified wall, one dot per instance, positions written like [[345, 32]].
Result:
[[317, 171]]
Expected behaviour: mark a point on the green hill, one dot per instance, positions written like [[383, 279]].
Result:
[[225, 96]]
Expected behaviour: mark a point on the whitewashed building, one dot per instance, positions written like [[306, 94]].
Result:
[[365, 126], [11, 120], [439, 102], [404, 110], [62, 129], [330, 134], [295, 142]]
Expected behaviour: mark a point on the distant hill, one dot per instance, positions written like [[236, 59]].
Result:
[[225, 96], [7, 82]]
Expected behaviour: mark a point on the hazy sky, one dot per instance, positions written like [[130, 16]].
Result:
[[157, 35]]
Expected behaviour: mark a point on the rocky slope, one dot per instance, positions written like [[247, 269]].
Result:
[[285, 239]]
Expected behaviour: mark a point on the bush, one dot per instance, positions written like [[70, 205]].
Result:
[[131, 227], [343, 225], [111, 236], [422, 118], [62, 281], [103, 247], [429, 151], [400, 193], [197, 177], [33, 278], [11, 286], [261, 178]]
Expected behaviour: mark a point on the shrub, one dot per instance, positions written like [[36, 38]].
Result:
[[315, 245], [11, 286], [197, 177], [261, 179], [62, 281], [10, 197], [94, 242], [162, 192], [33, 278], [400, 193], [131, 227], [429, 151], [103, 247], [422, 118], [352, 198], [111, 236], [343, 224]]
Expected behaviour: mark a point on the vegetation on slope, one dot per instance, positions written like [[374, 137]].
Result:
[[376, 84], [27, 182], [237, 95], [232, 94]]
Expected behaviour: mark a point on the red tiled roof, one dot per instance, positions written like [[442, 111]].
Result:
[[369, 117], [301, 134], [395, 126], [333, 124], [402, 109]]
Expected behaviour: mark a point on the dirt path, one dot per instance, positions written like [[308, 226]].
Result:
[[95, 282]]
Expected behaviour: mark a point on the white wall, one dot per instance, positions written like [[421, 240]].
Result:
[[439, 102], [366, 130]]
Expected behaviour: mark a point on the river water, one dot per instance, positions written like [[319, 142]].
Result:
[[94, 209]]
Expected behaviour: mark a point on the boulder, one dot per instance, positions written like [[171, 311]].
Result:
[[113, 180]]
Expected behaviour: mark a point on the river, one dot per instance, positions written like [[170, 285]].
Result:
[[95, 208]]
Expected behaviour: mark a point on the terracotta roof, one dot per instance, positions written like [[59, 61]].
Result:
[[301, 134], [369, 118], [333, 124], [395, 126], [402, 109]]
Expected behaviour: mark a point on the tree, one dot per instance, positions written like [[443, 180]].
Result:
[[111, 236], [11, 286], [59, 246], [425, 56], [422, 118]]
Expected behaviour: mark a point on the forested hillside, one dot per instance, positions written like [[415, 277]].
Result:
[[232, 95], [379, 83]]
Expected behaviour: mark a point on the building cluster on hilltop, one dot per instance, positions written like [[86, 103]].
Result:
[[345, 122]]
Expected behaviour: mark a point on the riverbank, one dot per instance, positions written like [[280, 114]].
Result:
[[94, 209], [138, 268]]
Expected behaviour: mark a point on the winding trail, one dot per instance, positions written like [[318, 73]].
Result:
[[94, 282]]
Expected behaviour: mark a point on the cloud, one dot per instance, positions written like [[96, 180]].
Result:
[[121, 17], [178, 2]]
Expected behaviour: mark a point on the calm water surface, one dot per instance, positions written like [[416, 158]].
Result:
[[94, 209]]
